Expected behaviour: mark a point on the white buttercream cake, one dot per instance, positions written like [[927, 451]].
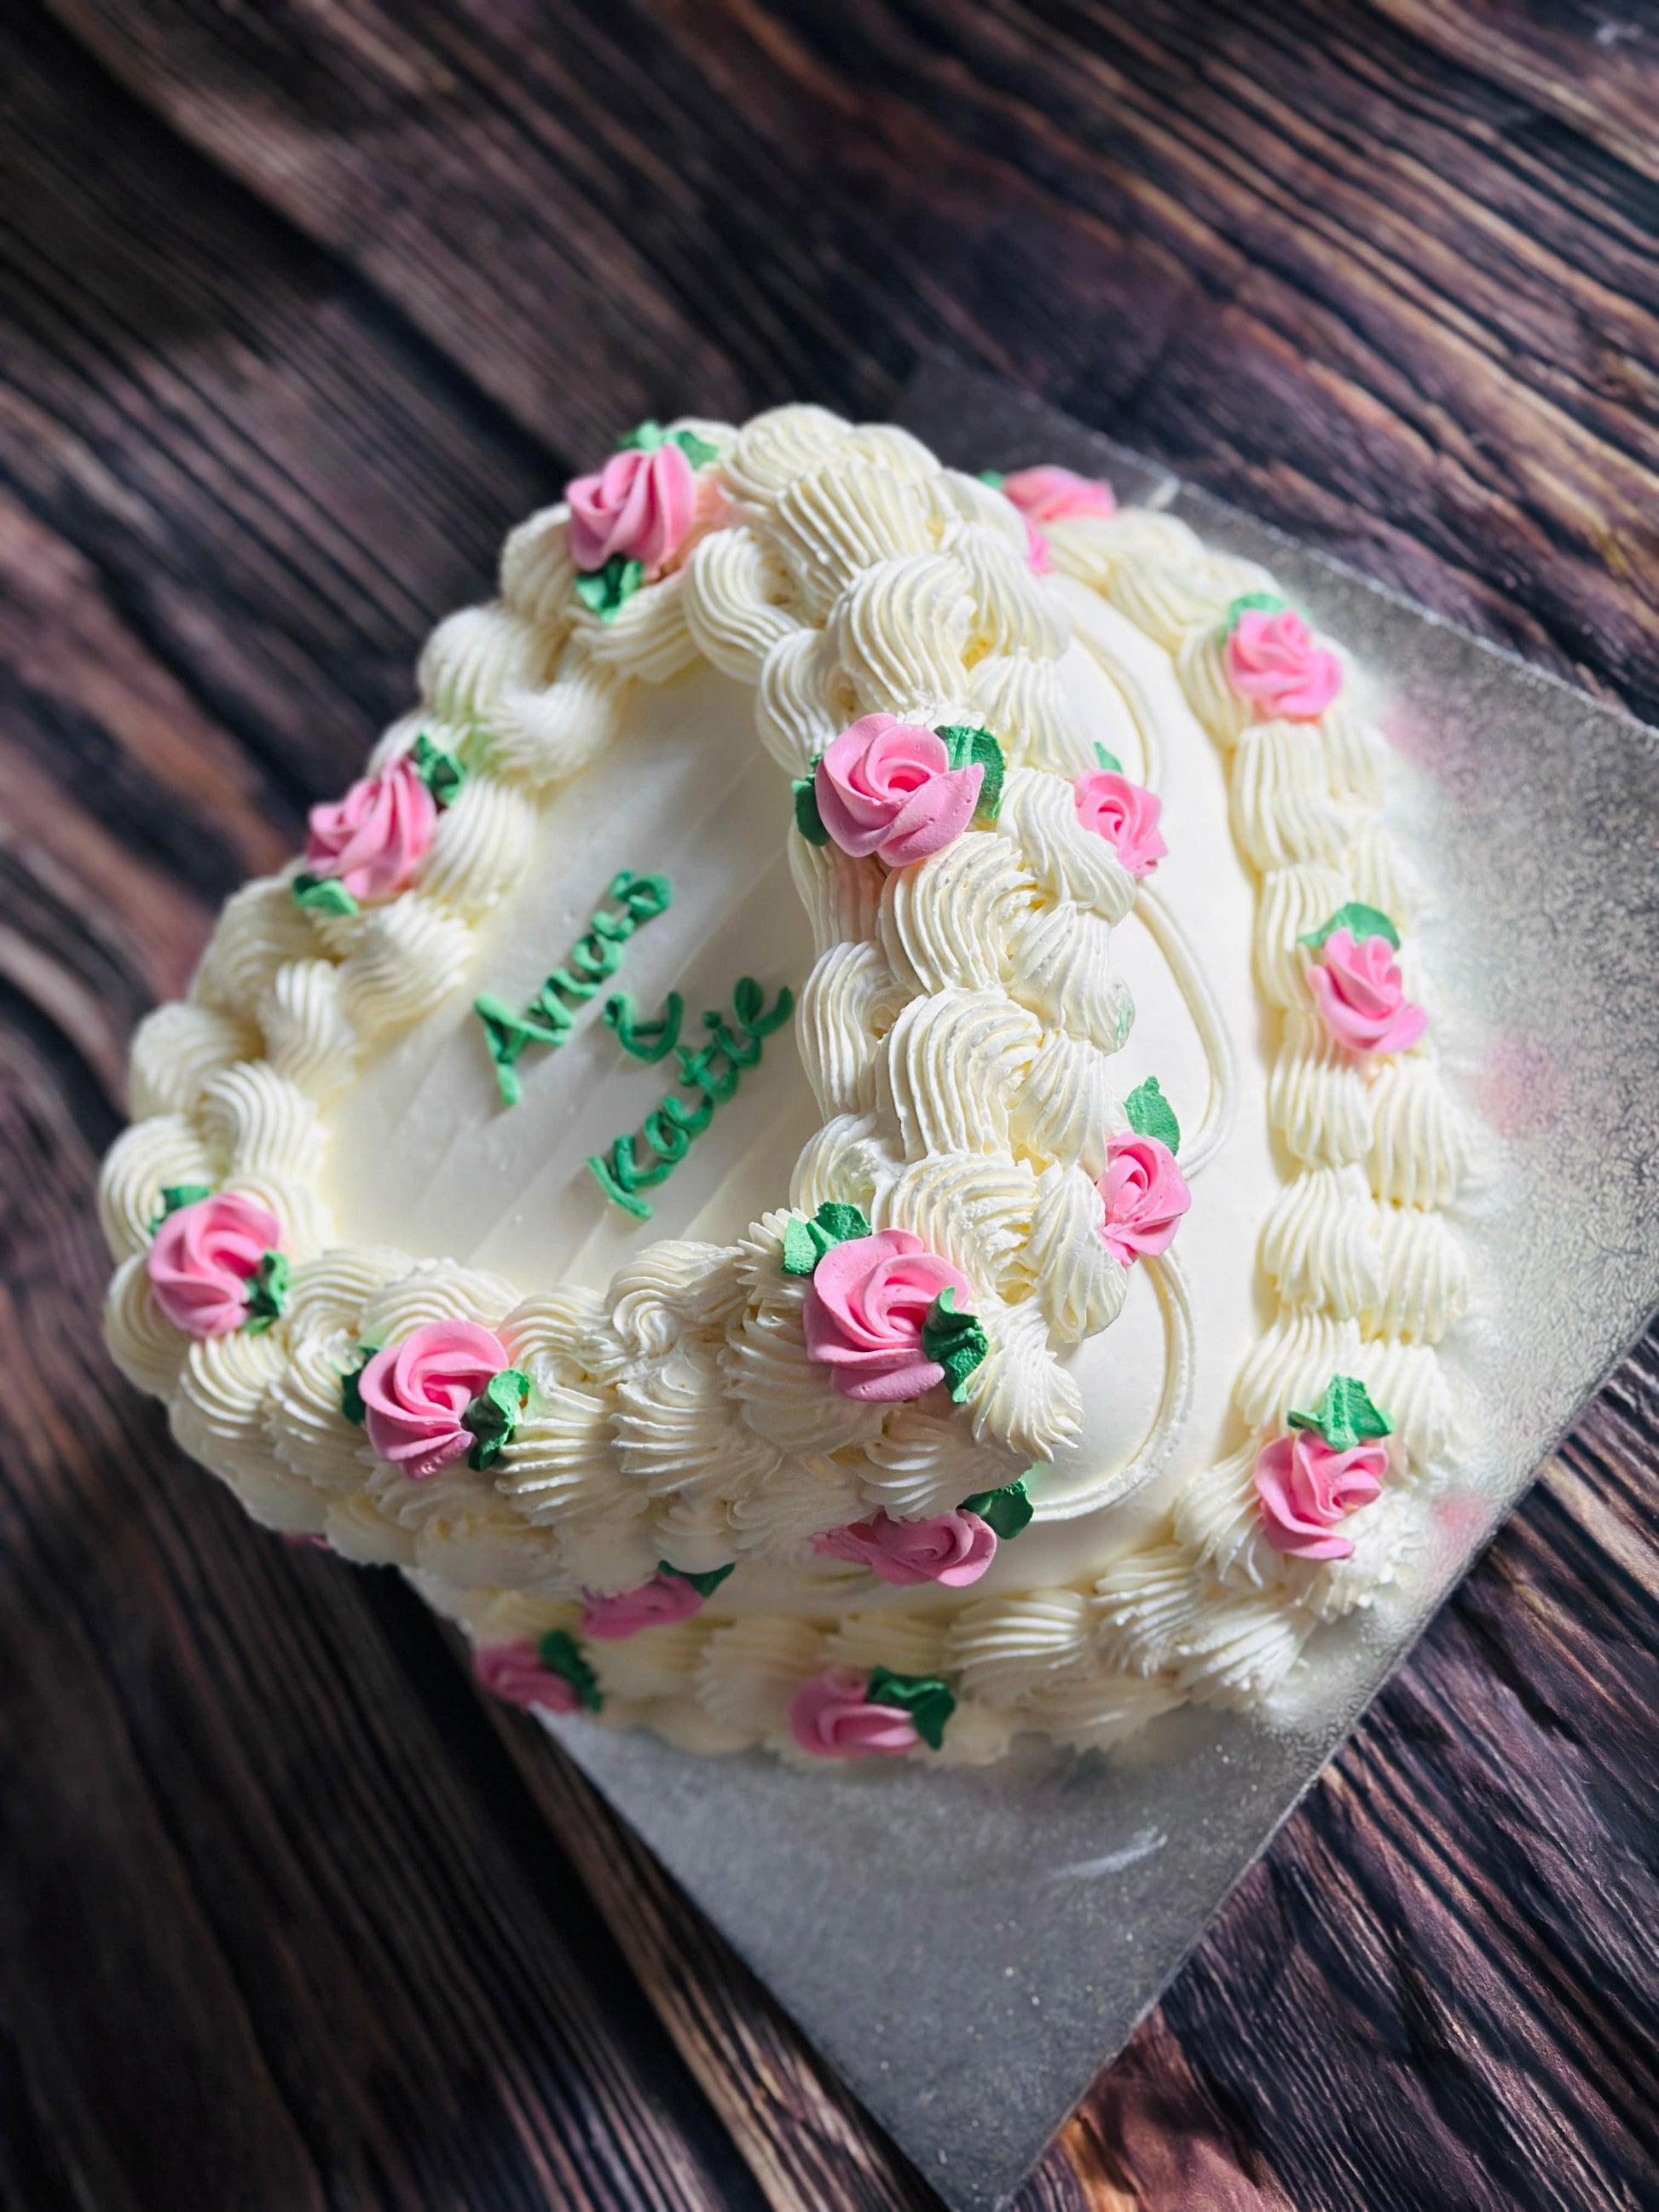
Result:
[[836, 1144]]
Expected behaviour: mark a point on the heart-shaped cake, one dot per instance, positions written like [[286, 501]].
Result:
[[837, 1145]]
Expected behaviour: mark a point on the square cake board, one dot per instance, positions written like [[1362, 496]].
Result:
[[969, 1948]]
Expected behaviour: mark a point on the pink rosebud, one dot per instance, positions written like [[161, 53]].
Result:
[[373, 840], [1145, 1195], [888, 787], [1049, 494], [1125, 814], [1037, 550], [831, 1716], [864, 1310], [1305, 1488], [1272, 661], [1357, 987], [952, 1548], [639, 505], [663, 1598], [203, 1258], [516, 1672], [414, 1393]]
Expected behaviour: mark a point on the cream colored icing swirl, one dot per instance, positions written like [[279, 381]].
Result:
[[958, 1030]]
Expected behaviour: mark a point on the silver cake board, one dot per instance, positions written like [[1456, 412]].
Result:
[[967, 1948]]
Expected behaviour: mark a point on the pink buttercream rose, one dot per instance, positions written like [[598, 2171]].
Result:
[[414, 1393], [373, 840], [864, 1310], [639, 505], [664, 1598], [516, 1672], [1049, 494], [1272, 661], [1305, 1488], [1145, 1195], [831, 1715], [203, 1258], [888, 787], [1125, 814], [1037, 550], [953, 1549], [1357, 987]]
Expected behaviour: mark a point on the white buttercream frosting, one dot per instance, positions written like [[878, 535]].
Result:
[[966, 1031]]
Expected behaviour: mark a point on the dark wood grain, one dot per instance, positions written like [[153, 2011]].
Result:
[[299, 306]]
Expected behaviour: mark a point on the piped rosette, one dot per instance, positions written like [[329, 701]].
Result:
[[366, 848], [217, 1264], [635, 520]]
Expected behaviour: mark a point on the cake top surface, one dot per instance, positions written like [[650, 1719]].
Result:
[[837, 1146]]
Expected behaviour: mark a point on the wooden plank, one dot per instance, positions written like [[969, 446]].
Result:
[[211, 413], [1289, 251], [807, 2141], [273, 1931], [1595, 70]]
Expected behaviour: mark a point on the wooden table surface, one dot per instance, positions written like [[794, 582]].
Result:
[[304, 302]]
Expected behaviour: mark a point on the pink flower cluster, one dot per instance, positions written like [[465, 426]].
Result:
[[952, 1549], [888, 787], [203, 1257], [864, 1311], [831, 1716], [640, 505], [1125, 814], [1050, 494], [1272, 661], [1305, 1488], [1145, 1195], [516, 1672], [1358, 990], [656, 1604], [414, 1393], [373, 840]]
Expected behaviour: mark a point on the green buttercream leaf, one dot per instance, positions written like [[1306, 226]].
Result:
[[805, 1242], [604, 591], [808, 820], [995, 477], [706, 1583], [644, 437], [697, 450], [954, 1341], [492, 1416], [801, 1252], [440, 772], [1344, 1416], [1360, 921], [175, 1194], [351, 1386], [1007, 1511], [1150, 1114], [1269, 601], [647, 1041], [840, 1223], [928, 1699], [644, 897], [968, 745], [561, 1654], [1108, 760], [267, 1292], [321, 895]]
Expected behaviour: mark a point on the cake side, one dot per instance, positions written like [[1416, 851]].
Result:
[[959, 1033]]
